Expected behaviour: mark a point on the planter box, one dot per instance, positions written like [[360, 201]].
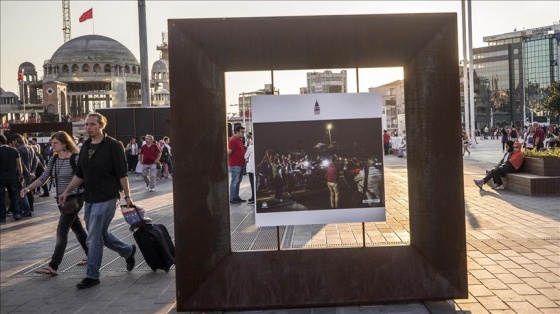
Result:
[[549, 167]]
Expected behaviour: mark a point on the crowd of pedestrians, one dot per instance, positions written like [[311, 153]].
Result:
[[532, 136], [90, 174], [22, 161]]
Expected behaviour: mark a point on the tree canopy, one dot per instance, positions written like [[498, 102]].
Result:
[[552, 101]]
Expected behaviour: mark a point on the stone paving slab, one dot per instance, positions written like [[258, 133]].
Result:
[[513, 251]]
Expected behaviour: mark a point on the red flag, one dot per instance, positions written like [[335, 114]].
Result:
[[87, 15], [20, 75]]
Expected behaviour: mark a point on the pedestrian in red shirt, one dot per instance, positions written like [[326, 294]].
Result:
[[149, 156], [538, 137], [386, 141], [236, 162], [332, 181]]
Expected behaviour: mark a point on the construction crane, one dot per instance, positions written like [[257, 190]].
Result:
[[66, 22]]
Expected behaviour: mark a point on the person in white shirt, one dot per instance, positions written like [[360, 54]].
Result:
[[132, 154], [250, 160]]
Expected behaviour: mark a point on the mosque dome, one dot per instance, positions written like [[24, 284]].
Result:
[[92, 48], [160, 66], [28, 67], [2, 91], [8, 95]]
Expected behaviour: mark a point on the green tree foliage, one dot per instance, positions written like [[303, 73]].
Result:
[[552, 101]]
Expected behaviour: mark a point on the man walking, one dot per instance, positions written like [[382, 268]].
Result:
[[29, 166], [236, 162], [386, 142], [102, 165], [10, 172], [149, 157]]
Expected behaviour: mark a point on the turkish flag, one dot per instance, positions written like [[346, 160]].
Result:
[[87, 15], [20, 75]]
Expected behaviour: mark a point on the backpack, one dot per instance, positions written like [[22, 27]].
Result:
[[513, 133], [74, 167]]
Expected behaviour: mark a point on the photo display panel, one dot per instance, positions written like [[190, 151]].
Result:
[[318, 159]]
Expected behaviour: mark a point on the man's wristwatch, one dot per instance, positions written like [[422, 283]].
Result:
[[126, 197]]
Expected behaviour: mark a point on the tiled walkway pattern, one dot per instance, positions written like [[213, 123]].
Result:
[[512, 247]]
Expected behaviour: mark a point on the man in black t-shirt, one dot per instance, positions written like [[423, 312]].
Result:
[[102, 165], [10, 172]]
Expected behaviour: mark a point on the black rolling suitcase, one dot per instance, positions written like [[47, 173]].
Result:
[[156, 246]]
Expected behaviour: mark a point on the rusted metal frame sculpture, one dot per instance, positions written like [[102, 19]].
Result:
[[209, 275]]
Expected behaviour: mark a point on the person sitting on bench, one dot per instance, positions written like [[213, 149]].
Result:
[[402, 148], [512, 161]]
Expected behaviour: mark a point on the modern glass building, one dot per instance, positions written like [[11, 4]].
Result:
[[511, 75]]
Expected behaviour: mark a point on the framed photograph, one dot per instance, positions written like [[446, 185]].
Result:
[[318, 159]]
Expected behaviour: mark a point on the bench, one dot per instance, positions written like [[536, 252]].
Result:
[[532, 184]]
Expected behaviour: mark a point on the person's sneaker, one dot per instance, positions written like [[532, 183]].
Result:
[[240, 200], [499, 187], [44, 195], [87, 283], [17, 217], [280, 200], [130, 261], [152, 189], [234, 202], [479, 183], [251, 202]]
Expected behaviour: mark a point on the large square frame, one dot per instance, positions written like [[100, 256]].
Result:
[[212, 277]]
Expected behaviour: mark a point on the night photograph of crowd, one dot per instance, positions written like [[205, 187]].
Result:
[[318, 165]]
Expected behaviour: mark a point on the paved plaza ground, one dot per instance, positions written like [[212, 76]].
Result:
[[513, 251]]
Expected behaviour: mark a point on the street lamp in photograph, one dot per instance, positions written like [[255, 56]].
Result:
[[329, 127]]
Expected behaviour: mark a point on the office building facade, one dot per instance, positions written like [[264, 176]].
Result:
[[512, 74]]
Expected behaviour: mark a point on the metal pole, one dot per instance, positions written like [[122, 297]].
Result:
[[471, 76], [465, 76], [145, 73], [23, 92], [243, 106]]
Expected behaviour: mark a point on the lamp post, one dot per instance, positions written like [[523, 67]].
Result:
[[329, 127], [243, 104]]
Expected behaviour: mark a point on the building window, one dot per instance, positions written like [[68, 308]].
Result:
[[107, 68], [75, 68], [96, 68], [85, 68], [65, 69]]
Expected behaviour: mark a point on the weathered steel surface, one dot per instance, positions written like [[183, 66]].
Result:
[[209, 275]]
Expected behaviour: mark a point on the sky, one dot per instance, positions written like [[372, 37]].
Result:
[[32, 30]]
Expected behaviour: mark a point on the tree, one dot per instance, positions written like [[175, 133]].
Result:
[[552, 101]]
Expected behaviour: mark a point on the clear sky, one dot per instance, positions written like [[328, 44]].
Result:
[[32, 30]]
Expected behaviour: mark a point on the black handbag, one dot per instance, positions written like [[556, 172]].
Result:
[[70, 206]]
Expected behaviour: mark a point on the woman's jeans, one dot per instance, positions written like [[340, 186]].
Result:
[[98, 217], [65, 223]]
